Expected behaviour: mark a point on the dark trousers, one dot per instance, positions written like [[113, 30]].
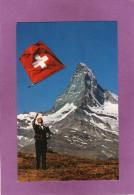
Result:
[[41, 149]]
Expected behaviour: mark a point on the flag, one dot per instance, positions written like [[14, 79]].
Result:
[[39, 62]]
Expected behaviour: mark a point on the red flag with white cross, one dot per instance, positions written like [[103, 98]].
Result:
[[39, 62]]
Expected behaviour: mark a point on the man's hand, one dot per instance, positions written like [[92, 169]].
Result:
[[33, 122], [37, 113]]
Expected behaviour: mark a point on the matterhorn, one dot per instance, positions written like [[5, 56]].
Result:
[[84, 120]]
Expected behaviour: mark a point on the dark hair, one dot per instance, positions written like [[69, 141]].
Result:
[[40, 118]]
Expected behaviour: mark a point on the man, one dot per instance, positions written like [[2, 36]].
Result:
[[40, 141]]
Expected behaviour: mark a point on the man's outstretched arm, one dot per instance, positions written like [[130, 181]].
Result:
[[33, 122]]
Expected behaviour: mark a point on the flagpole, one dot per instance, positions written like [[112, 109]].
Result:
[[30, 85], [33, 84]]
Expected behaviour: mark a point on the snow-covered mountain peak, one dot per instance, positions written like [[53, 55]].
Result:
[[84, 119], [81, 81], [84, 89]]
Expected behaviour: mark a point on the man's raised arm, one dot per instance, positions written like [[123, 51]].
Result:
[[33, 122]]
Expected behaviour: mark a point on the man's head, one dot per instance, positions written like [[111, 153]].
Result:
[[40, 121]]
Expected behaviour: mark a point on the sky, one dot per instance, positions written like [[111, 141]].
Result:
[[93, 43]]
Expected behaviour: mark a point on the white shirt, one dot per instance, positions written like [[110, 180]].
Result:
[[41, 127]]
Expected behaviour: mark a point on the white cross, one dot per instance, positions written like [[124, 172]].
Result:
[[40, 61]]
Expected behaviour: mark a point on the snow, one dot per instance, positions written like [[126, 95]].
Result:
[[32, 113], [56, 130], [105, 153], [110, 108], [28, 117], [111, 121], [69, 140], [85, 120], [80, 145], [59, 115], [20, 137], [75, 140], [107, 108], [27, 127], [82, 64], [21, 116], [114, 96], [114, 132], [116, 140], [83, 143], [100, 125], [89, 114], [74, 136], [104, 146], [80, 139], [20, 145], [74, 128], [24, 141], [108, 140]]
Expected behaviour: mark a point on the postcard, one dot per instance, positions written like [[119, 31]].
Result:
[[80, 115], [67, 97]]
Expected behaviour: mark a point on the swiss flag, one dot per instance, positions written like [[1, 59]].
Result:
[[39, 62]]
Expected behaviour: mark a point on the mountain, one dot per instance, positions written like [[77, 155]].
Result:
[[84, 120]]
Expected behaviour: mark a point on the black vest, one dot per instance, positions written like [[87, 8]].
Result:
[[40, 134]]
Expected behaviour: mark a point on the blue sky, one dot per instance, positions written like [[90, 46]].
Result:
[[93, 43]]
